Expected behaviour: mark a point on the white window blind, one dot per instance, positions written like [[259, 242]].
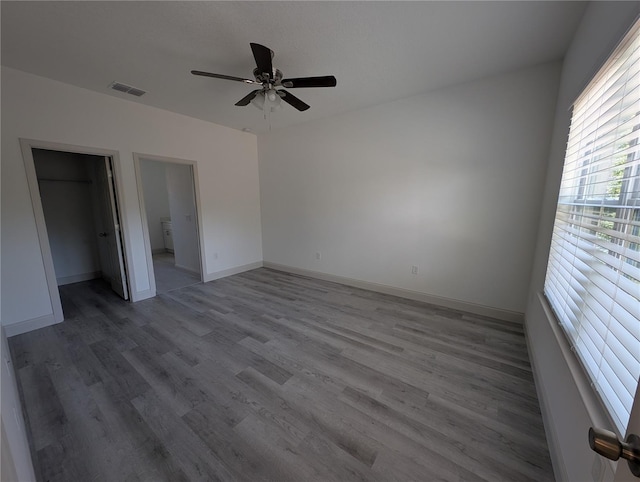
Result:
[[593, 274]]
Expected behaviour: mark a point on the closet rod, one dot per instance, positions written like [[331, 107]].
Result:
[[64, 180]]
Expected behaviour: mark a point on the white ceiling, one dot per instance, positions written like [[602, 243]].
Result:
[[378, 51]]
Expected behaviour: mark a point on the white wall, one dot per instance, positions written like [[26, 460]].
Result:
[[156, 199], [569, 405], [37, 108], [65, 191], [16, 457], [449, 181], [183, 216]]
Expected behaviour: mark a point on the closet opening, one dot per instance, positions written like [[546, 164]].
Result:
[[78, 217]]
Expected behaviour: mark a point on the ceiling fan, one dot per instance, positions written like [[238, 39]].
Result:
[[268, 96]]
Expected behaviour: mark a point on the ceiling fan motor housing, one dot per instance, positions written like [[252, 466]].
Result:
[[274, 79]]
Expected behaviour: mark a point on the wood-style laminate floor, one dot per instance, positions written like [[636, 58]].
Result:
[[168, 277], [271, 376]]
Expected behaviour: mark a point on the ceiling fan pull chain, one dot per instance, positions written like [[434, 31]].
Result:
[[267, 111]]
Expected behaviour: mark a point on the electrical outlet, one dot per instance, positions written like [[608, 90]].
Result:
[[215, 255], [318, 255], [414, 270], [188, 217]]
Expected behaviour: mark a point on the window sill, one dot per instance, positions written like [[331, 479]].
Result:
[[593, 407]]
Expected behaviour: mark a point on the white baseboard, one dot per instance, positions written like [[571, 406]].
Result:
[[231, 271], [498, 313], [158, 251], [77, 278], [21, 327], [188, 270]]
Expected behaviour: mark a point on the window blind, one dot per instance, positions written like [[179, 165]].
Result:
[[593, 273]]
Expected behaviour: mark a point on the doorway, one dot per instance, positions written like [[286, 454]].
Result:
[[168, 199], [74, 197]]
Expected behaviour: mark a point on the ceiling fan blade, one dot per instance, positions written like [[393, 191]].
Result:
[[326, 81], [225, 77], [263, 56], [247, 98], [293, 100]]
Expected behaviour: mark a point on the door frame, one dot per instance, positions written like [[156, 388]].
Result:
[[26, 146], [137, 157]]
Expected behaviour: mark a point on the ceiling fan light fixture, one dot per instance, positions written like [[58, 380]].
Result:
[[274, 100], [269, 100], [258, 100]]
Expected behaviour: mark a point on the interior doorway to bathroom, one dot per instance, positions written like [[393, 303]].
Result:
[[170, 208]]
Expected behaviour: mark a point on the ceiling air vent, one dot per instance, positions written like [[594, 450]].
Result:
[[127, 89]]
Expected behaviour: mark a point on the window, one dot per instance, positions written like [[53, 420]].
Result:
[[593, 274]]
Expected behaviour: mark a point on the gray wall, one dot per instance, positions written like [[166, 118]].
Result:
[[569, 404], [449, 181], [65, 191], [156, 199], [183, 216], [168, 193]]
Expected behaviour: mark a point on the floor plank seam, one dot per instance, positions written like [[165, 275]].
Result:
[[266, 375]]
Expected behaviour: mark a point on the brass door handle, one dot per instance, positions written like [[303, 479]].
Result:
[[608, 445]]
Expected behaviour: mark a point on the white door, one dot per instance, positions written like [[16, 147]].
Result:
[[623, 474], [109, 234]]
